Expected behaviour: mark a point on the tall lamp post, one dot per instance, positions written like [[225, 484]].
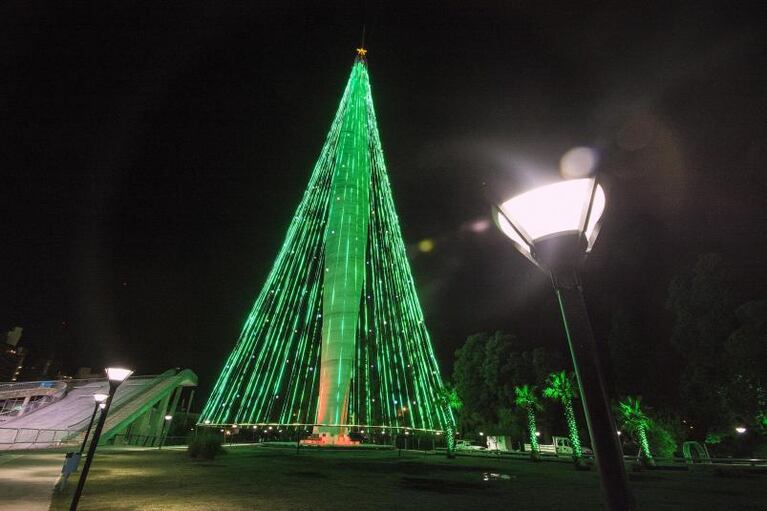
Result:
[[98, 400], [115, 376], [555, 226]]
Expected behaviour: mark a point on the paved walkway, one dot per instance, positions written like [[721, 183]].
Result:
[[27, 479]]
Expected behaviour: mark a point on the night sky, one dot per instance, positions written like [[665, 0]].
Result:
[[153, 155]]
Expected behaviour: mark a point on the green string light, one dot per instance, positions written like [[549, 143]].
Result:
[[644, 444], [572, 428], [336, 336], [559, 386], [532, 430]]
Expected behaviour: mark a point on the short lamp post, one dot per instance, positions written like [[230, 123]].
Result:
[[163, 431], [98, 400], [115, 376], [555, 226]]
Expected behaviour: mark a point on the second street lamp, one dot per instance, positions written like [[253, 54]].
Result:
[[555, 226], [98, 400], [163, 432], [115, 376]]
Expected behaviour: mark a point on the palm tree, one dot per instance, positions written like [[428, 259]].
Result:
[[449, 401], [636, 422], [525, 398], [559, 386]]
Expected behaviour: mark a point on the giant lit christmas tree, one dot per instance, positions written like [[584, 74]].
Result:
[[336, 340]]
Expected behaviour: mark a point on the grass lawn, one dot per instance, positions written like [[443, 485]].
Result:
[[275, 479]]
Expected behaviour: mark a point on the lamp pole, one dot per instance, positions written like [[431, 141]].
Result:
[[599, 418], [555, 227], [115, 377], [98, 398]]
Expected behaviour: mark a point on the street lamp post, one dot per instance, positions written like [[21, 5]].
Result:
[[98, 399], [165, 424], [115, 376], [555, 226]]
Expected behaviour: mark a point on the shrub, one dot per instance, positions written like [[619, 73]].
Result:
[[662, 441], [205, 445]]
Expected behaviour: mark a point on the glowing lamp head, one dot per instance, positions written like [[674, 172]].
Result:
[[100, 398], [554, 224], [117, 374], [740, 430], [168, 418]]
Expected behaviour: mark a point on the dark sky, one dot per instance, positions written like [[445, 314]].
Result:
[[153, 155]]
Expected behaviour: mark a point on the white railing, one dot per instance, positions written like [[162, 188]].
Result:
[[30, 438]]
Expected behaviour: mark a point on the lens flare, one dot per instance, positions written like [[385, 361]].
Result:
[[578, 162]]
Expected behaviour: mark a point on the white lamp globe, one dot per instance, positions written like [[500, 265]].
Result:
[[569, 209]]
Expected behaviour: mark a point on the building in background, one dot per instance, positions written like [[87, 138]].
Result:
[[57, 412], [12, 356]]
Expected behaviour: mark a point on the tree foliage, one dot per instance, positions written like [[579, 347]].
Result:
[[560, 386], [664, 437], [632, 415], [628, 352], [487, 368], [525, 397], [746, 361], [448, 397], [703, 304], [636, 422]]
